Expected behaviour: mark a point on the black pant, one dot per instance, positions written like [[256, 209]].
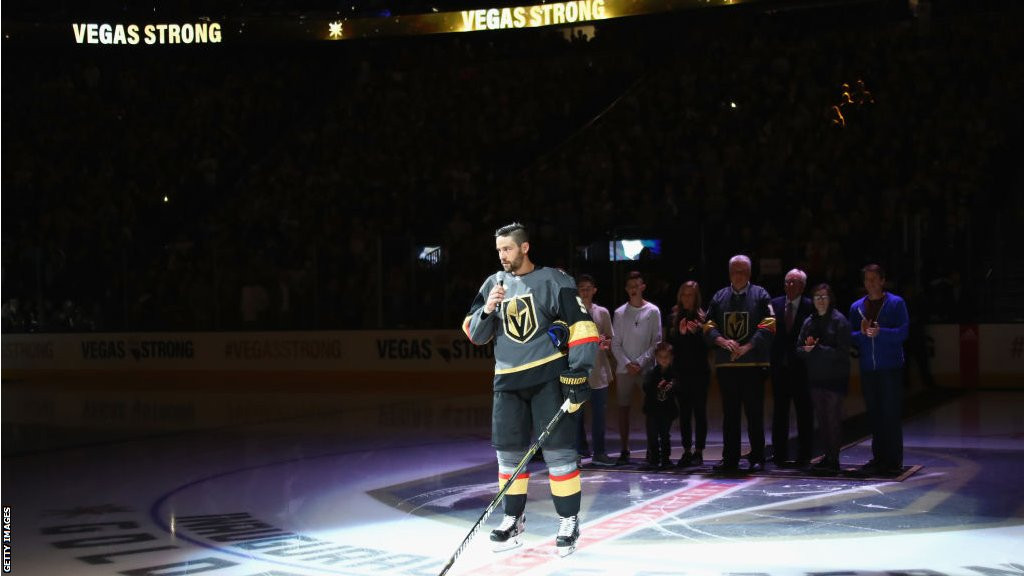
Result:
[[742, 388], [692, 397], [659, 437], [883, 399], [828, 407], [789, 384]]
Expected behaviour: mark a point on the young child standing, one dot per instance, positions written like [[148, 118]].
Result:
[[660, 408]]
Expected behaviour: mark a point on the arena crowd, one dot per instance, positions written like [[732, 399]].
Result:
[[270, 186]]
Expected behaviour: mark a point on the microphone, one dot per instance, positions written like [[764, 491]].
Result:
[[501, 282]]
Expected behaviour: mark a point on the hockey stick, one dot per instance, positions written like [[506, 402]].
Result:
[[562, 411]]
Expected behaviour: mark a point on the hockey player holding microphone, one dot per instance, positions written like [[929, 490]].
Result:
[[544, 346]]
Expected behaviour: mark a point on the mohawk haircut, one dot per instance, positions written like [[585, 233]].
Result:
[[516, 231]]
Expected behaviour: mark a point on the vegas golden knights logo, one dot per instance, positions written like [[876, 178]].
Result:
[[737, 325], [520, 318]]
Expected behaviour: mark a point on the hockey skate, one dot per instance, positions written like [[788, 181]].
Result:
[[568, 534], [507, 535]]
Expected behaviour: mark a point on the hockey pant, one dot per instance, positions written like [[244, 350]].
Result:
[[516, 417]]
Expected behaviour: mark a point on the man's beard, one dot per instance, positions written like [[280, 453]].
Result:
[[513, 266]]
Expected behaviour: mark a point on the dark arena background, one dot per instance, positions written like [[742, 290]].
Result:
[[239, 240]]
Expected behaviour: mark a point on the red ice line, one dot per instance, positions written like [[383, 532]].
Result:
[[613, 526]]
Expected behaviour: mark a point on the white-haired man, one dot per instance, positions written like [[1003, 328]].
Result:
[[789, 373], [739, 327]]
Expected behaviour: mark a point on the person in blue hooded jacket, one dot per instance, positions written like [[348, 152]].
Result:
[[880, 324]]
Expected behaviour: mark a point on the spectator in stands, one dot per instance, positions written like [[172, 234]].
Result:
[[249, 156]]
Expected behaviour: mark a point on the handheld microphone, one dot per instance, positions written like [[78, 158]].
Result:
[[501, 282]]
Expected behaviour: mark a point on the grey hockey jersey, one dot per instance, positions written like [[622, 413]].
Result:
[[523, 352]]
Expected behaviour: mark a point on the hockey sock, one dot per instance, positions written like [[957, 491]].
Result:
[[515, 498], [566, 493]]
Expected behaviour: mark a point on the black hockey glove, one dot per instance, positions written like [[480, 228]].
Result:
[[559, 334], [576, 388]]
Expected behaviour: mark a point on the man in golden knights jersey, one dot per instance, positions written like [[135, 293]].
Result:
[[544, 346], [739, 328]]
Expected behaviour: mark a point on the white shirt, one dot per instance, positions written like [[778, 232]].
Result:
[[637, 331]]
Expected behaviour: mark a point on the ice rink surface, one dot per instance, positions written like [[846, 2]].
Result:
[[318, 483]]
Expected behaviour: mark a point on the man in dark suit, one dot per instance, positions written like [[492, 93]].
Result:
[[789, 375]]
